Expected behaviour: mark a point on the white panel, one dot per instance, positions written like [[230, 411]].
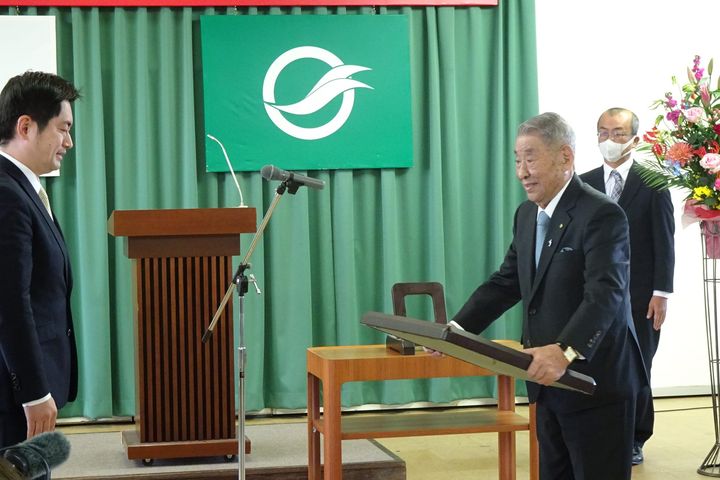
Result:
[[28, 44], [619, 53]]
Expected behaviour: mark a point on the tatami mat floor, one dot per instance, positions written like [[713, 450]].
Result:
[[684, 434]]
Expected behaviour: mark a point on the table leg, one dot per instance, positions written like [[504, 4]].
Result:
[[332, 446], [534, 448], [313, 415], [506, 440]]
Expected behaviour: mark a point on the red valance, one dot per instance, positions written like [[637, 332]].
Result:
[[240, 3]]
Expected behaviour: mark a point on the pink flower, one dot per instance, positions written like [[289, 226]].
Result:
[[670, 102], [705, 94], [717, 184], [696, 68], [673, 116], [711, 162], [693, 114]]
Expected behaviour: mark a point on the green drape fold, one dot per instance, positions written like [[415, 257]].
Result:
[[327, 256]]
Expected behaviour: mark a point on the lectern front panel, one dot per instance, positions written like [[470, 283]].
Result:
[[184, 387]]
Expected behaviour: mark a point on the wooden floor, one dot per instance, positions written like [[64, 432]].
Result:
[[684, 434]]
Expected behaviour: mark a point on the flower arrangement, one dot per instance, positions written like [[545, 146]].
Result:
[[685, 142], [685, 150]]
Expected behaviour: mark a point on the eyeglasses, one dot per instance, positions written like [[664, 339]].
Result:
[[614, 135]]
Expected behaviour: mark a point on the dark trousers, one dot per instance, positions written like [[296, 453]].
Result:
[[591, 444], [13, 427], [649, 340]]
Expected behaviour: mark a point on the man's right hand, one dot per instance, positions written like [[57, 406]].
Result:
[[41, 417], [435, 353], [432, 352]]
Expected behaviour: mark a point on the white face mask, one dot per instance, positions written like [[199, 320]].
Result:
[[611, 151]]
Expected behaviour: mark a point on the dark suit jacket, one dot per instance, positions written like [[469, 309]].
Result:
[[578, 296], [652, 226], [37, 341]]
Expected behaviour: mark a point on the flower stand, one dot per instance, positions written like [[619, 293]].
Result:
[[710, 234]]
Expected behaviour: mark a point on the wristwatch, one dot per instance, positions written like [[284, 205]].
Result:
[[570, 353]]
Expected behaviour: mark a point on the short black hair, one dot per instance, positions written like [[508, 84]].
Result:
[[36, 94]]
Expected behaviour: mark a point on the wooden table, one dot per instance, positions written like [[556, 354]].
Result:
[[333, 366]]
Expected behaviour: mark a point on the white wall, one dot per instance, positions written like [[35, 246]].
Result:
[[620, 53], [29, 45], [33, 45]]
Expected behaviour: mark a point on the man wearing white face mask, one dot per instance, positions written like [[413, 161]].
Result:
[[652, 250]]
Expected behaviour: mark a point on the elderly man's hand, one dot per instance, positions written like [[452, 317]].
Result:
[[432, 352], [548, 364]]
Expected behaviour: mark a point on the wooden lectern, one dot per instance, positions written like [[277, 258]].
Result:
[[182, 265]]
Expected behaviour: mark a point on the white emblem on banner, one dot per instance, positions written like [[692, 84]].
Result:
[[335, 82]]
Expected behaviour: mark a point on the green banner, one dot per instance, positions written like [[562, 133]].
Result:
[[306, 92]]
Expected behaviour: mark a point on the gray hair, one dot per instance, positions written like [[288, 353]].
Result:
[[551, 127]]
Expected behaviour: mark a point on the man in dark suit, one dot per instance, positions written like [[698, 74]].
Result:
[[38, 361], [576, 307], [652, 248]]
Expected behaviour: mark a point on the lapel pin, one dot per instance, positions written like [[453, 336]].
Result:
[[550, 243], [562, 225]]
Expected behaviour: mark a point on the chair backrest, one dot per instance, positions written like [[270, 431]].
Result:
[[434, 289]]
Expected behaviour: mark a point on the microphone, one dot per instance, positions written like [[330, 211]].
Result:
[[34, 457], [227, 159], [270, 172]]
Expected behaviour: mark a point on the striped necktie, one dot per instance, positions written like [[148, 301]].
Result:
[[45, 200], [617, 186]]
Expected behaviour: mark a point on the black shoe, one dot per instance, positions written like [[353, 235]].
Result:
[[637, 455]]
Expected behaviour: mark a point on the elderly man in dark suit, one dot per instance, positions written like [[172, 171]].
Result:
[[652, 247], [38, 360], [568, 264]]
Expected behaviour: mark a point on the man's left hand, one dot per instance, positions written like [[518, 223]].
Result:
[[548, 364], [41, 417], [657, 310]]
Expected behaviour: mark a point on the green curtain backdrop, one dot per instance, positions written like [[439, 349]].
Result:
[[327, 256]]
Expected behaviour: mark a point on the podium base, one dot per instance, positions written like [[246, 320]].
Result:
[[149, 451]]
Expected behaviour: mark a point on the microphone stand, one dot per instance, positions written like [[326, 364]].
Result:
[[240, 282]]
